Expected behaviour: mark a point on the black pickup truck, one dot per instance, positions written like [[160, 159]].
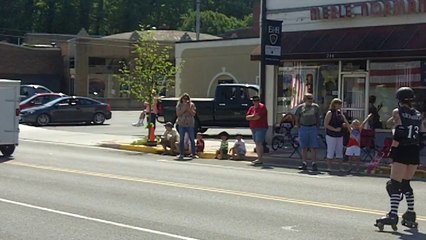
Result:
[[227, 109]]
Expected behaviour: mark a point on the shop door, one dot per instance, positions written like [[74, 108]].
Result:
[[353, 94]]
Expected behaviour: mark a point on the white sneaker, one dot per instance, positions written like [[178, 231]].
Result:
[[136, 124]]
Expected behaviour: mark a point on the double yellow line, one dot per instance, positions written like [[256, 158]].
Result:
[[208, 189]]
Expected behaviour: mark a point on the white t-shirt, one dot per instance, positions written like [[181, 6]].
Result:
[[241, 146]]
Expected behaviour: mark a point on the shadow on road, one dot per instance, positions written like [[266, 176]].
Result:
[[4, 159]]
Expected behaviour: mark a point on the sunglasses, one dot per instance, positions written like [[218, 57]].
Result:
[[256, 100]]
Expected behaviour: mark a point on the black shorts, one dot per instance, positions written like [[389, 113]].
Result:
[[409, 154]]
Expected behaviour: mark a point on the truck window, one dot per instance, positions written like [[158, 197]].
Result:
[[244, 95], [251, 92], [227, 94]]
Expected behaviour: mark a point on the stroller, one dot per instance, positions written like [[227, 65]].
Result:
[[381, 154], [284, 139]]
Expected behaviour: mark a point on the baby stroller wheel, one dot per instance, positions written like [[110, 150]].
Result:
[[277, 142]]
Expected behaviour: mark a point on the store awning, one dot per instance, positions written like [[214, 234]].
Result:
[[363, 42]]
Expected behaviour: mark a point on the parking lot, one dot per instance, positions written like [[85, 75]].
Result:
[[121, 124]]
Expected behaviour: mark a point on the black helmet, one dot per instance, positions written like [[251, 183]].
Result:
[[405, 94]]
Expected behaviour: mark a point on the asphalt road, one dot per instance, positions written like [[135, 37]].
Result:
[[121, 124], [65, 191]]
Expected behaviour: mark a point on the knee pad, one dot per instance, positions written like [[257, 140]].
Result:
[[406, 187], [393, 187]]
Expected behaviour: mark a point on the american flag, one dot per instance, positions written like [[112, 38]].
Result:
[[398, 74], [298, 90]]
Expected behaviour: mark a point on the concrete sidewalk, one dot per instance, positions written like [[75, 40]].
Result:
[[279, 158]]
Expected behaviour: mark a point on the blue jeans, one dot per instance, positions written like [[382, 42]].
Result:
[[182, 131]]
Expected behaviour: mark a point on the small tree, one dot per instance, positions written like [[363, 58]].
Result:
[[149, 71]]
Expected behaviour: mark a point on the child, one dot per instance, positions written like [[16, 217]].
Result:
[[199, 143], [238, 151], [353, 150], [222, 152], [140, 121]]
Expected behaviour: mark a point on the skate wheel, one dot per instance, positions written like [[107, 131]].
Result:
[[380, 226], [394, 228]]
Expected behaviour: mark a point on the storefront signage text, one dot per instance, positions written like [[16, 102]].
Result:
[[373, 8]]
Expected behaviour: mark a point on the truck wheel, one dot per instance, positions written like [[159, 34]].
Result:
[[7, 150], [43, 119], [98, 119]]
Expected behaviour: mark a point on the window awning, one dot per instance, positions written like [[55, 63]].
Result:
[[363, 42]]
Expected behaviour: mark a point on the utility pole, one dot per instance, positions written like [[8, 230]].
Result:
[[197, 20], [262, 50]]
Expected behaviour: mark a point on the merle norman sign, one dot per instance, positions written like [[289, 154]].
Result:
[[272, 42]]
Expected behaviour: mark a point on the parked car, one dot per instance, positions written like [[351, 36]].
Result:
[[39, 99], [227, 109], [32, 89], [70, 109]]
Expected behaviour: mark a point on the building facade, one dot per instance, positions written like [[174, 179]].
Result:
[[350, 49], [32, 65], [88, 63], [209, 63]]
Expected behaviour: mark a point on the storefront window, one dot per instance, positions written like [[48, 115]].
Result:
[[387, 77], [297, 78], [105, 86], [97, 85]]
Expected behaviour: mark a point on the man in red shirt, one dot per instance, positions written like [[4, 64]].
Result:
[[257, 115]]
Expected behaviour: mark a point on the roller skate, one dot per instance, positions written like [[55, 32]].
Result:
[[389, 219], [409, 220]]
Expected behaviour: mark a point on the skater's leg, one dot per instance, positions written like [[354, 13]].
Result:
[[393, 187], [407, 190]]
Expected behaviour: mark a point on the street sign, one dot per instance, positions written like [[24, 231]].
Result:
[[272, 42]]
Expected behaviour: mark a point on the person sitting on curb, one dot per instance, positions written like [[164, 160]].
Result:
[[169, 139], [222, 152], [199, 145], [238, 151]]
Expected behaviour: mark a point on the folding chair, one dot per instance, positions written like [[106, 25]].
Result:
[[385, 150], [367, 145], [382, 153]]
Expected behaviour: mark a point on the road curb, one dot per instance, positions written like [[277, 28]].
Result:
[[160, 150]]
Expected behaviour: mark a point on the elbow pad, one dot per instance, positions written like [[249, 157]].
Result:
[[401, 133]]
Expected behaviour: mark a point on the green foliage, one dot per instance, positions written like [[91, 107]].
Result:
[[144, 140], [105, 17], [151, 69], [211, 22]]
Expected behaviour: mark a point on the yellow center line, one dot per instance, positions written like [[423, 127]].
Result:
[[208, 189]]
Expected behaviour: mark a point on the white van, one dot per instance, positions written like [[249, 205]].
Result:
[[9, 115]]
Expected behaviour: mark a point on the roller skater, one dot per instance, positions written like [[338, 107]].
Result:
[[406, 123]]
